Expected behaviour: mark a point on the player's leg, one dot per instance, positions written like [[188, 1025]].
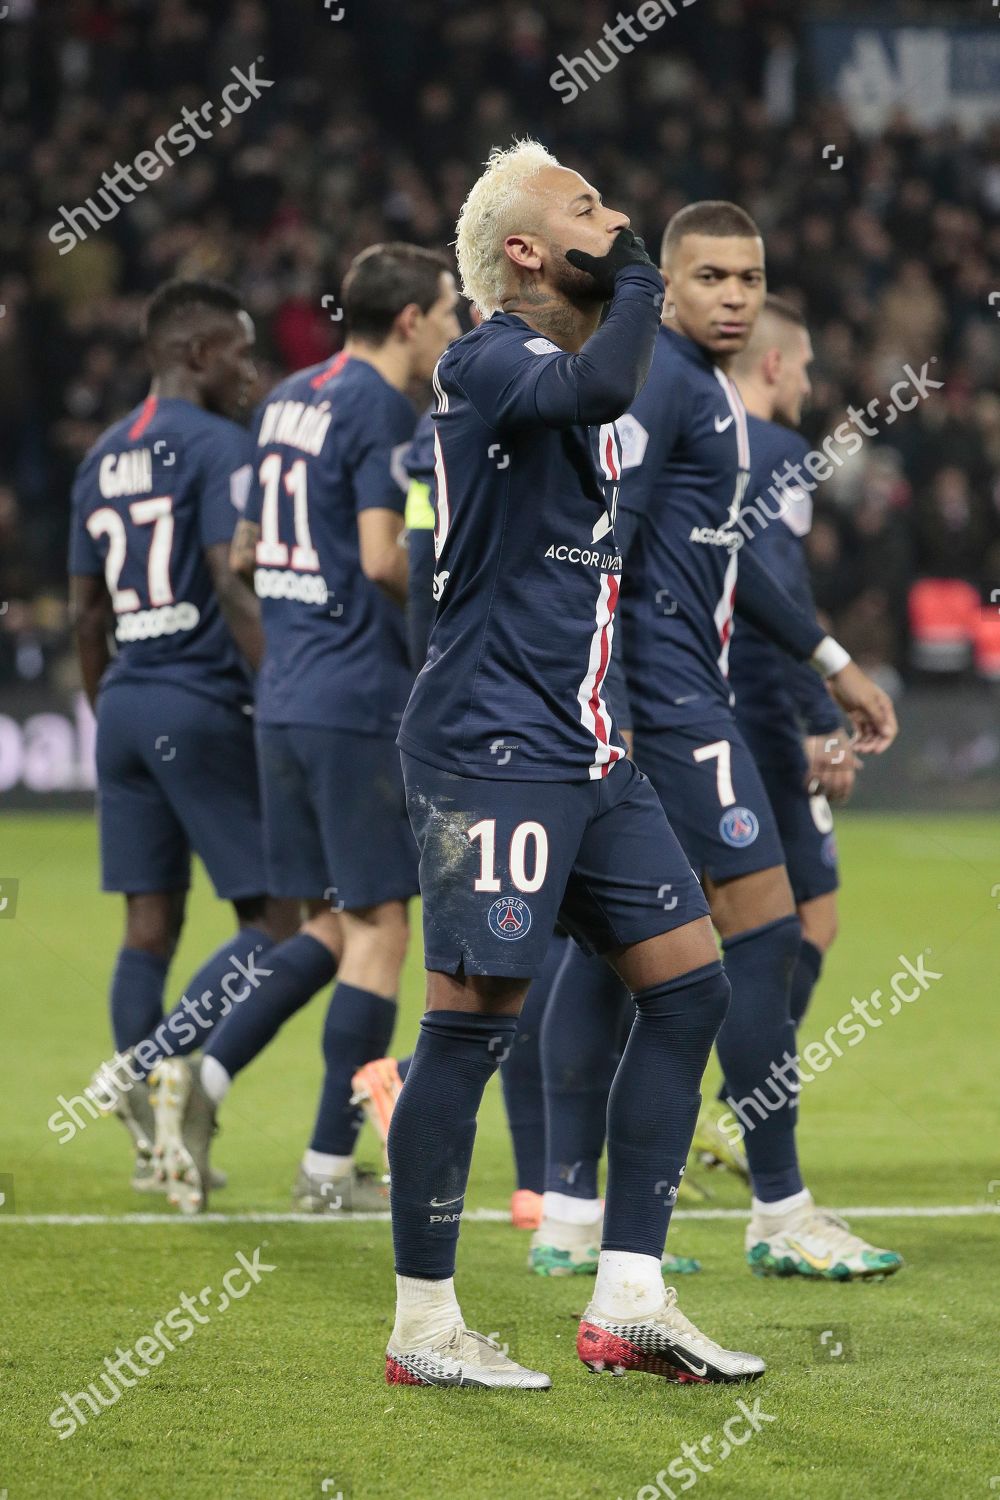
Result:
[[755, 915], [144, 855], [818, 919], [523, 1097], [252, 984], [153, 922], [356, 787], [357, 1030], [805, 824], [587, 1024], [378, 1083], [666, 955], [494, 860]]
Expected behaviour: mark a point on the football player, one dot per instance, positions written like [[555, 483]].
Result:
[[521, 797], [154, 506]]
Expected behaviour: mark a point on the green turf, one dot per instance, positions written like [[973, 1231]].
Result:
[[283, 1390]]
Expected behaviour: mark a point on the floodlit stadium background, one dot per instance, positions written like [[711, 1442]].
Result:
[[865, 140]]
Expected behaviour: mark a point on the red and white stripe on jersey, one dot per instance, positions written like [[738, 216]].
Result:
[[593, 710], [609, 447], [724, 609], [724, 613], [442, 516]]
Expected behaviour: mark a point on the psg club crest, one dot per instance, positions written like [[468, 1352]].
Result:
[[509, 918], [739, 827]]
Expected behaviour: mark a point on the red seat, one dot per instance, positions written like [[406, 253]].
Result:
[[986, 642], [943, 616]]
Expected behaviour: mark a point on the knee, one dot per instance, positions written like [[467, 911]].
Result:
[[699, 998], [819, 925], [153, 924]]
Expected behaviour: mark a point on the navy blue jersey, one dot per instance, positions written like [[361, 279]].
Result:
[[775, 696], [527, 567], [152, 494], [418, 461], [328, 441], [686, 467]]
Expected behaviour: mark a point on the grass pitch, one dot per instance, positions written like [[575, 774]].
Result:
[[280, 1394]]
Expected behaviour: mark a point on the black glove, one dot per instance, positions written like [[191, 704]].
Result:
[[627, 249]]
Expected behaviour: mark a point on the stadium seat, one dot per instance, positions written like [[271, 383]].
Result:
[[986, 643], [943, 614]]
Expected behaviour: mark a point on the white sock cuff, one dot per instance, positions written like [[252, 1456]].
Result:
[[782, 1206], [321, 1164], [571, 1210], [628, 1285], [214, 1079]]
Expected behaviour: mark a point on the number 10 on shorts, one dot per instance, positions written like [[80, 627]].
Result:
[[525, 834]]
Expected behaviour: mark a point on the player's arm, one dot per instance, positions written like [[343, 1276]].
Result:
[[240, 608], [762, 600], [90, 617], [382, 550], [528, 380], [243, 551]]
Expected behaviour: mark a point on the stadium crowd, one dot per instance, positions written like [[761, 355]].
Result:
[[892, 253]]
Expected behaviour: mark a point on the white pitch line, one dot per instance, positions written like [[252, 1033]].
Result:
[[480, 1216]]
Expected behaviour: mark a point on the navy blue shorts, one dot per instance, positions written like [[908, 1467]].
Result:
[[335, 816], [501, 861], [805, 824], [176, 773], [714, 796]]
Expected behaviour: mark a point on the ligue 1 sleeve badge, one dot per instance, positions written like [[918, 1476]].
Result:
[[739, 826], [509, 918]]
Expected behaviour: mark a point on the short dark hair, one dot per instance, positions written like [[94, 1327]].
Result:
[[175, 300], [384, 279], [781, 308], [712, 216]]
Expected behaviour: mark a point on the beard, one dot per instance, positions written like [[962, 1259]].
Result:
[[578, 287]]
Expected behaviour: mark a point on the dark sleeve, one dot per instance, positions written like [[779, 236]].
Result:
[[224, 482], [420, 595], [378, 439], [516, 381], [813, 704], [761, 599]]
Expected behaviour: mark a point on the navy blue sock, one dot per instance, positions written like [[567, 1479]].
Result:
[[228, 974], [432, 1134], [757, 1053], [521, 1075], [580, 1052], [297, 968], [654, 1105], [805, 977], [136, 995], [358, 1028]]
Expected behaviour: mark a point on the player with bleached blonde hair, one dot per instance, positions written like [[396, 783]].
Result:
[[521, 798]]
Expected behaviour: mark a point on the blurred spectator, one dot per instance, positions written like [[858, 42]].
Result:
[[374, 128]]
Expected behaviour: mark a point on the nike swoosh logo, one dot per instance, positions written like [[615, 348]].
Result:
[[812, 1260], [695, 1369], [446, 1202], [721, 423]]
